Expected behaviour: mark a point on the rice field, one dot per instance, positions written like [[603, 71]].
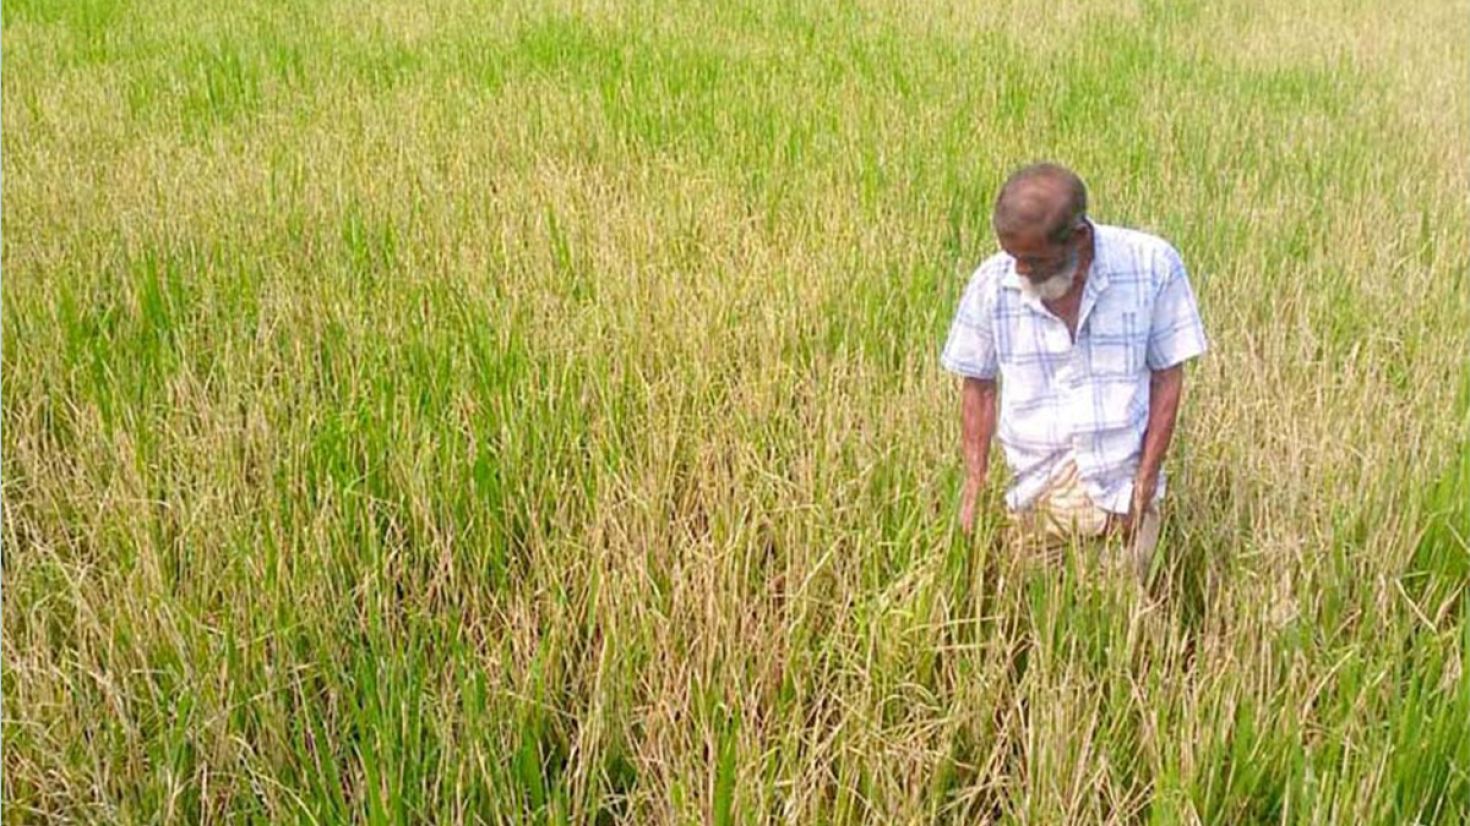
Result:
[[487, 412]]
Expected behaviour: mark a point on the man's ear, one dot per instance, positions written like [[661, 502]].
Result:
[[1082, 231]]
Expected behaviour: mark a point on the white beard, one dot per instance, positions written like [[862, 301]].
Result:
[[1052, 288]]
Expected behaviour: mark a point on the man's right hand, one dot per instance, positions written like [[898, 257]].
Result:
[[977, 425]]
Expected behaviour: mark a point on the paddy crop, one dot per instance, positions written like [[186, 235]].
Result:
[[499, 412]]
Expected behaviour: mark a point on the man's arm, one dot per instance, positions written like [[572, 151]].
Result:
[[1165, 388], [978, 426]]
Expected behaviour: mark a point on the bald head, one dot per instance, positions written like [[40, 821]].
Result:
[[1043, 198]]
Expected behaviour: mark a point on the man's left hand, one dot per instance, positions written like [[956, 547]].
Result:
[[1143, 497]]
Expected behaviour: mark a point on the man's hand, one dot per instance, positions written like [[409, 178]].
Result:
[[1165, 388], [977, 426], [1143, 497], [969, 506]]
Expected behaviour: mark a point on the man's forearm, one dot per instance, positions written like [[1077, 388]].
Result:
[[1165, 388], [978, 426]]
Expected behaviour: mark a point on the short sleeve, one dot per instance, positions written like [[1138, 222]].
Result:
[[970, 349], [1176, 334]]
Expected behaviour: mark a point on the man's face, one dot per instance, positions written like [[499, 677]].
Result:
[[1047, 267]]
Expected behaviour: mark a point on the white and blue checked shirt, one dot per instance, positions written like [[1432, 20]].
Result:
[[1087, 401]]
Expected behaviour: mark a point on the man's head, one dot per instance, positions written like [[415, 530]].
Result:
[[1040, 220]]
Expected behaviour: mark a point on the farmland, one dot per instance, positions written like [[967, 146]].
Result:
[[493, 412]]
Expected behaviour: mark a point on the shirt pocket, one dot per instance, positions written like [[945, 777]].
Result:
[[1117, 343]]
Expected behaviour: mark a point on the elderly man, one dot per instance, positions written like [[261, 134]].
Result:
[[1085, 327]]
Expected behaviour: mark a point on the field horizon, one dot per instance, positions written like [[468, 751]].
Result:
[[484, 412]]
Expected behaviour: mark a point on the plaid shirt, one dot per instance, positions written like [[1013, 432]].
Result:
[[1088, 400]]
